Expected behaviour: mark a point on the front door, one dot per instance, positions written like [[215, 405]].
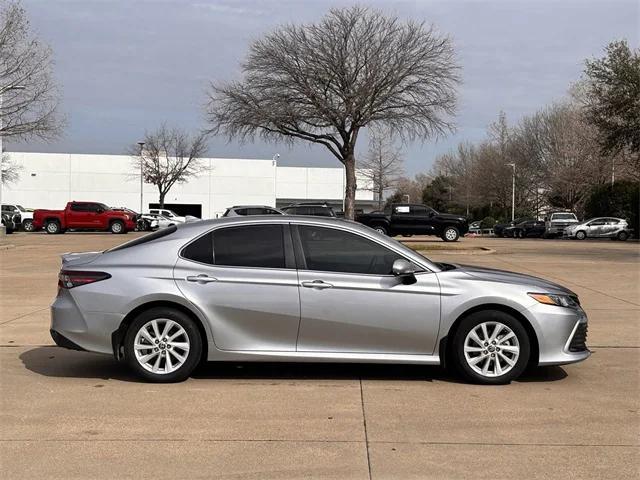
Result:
[[351, 303], [243, 279]]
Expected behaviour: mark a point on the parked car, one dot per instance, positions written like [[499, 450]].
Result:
[[601, 227], [162, 221], [84, 216], [528, 228], [344, 293], [170, 214], [309, 208], [413, 219], [26, 215], [500, 228], [244, 210], [475, 227], [556, 222], [11, 222]]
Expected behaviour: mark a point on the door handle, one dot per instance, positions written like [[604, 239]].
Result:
[[317, 284], [201, 278]]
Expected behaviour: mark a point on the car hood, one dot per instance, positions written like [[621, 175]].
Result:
[[503, 276]]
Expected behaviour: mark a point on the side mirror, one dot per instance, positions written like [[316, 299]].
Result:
[[100, 210], [405, 271]]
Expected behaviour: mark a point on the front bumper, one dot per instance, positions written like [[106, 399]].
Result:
[[561, 334]]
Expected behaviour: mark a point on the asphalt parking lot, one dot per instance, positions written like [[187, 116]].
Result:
[[70, 414]]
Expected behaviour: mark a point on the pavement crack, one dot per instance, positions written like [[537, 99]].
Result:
[[24, 315], [366, 435]]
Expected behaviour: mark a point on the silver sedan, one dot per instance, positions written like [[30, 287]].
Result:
[[305, 289]]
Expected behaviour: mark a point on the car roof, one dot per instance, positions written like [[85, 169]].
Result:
[[253, 206]]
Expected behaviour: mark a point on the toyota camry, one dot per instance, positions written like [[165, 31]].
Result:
[[306, 289]]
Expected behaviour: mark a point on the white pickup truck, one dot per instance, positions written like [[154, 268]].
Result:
[[556, 222], [25, 215]]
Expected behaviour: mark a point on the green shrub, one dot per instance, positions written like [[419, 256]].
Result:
[[488, 222]]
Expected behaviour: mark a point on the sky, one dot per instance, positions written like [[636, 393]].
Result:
[[126, 66]]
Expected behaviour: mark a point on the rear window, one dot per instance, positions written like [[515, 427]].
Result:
[[563, 216], [145, 239]]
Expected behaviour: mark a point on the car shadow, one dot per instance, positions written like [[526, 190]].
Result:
[[59, 362]]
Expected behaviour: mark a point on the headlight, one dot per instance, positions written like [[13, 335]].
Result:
[[569, 301]]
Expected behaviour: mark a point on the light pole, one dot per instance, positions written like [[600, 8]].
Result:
[[513, 191], [2, 90], [141, 178]]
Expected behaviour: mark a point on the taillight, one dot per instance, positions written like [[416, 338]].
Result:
[[72, 278]]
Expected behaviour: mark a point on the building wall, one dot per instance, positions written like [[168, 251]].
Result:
[[50, 180]]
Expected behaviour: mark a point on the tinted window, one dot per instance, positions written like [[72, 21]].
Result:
[[250, 246], [79, 207], [419, 210], [241, 211], [200, 250], [331, 250], [321, 212]]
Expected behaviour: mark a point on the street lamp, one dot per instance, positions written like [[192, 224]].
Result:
[[513, 191], [2, 90], [141, 178]]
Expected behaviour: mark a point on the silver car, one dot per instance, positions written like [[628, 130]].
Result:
[[602, 227], [306, 289]]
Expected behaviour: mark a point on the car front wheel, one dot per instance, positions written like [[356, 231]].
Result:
[[581, 235], [380, 229], [491, 347], [117, 227], [622, 236], [53, 227], [163, 345], [450, 234]]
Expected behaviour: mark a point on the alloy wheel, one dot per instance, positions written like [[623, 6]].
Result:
[[161, 346], [450, 234], [491, 349]]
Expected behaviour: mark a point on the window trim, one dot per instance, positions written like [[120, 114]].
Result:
[[289, 260], [302, 263]]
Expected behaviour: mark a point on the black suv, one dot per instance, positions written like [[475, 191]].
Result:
[[316, 209], [412, 219]]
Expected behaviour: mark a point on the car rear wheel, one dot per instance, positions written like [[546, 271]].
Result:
[[491, 347], [450, 234], [163, 345], [117, 227], [380, 229], [581, 235], [622, 236], [52, 227], [27, 225]]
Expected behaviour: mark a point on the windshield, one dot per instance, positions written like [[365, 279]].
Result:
[[564, 216], [21, 208]]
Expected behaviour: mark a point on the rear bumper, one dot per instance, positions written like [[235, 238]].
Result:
[[64, 342]]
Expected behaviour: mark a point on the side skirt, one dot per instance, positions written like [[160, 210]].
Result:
[[321, 357]]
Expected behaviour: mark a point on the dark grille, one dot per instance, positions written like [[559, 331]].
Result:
[[579, 340]]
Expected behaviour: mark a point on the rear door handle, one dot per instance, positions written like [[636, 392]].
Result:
[[317, 284], [201, 278]]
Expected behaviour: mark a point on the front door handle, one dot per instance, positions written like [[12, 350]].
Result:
[[317, 284], [201, 278]]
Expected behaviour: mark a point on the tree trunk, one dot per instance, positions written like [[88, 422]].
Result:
[[161, 199], [380, 194], [350, 188]]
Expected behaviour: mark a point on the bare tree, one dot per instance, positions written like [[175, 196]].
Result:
[[170, 156], [324, 82], [382, 166], [9, 170], [28, 95]]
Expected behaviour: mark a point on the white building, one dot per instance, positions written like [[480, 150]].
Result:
[[50, 180]]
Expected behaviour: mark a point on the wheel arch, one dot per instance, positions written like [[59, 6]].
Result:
[[445, 352], [117, 337]]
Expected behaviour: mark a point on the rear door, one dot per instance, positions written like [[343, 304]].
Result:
[[596, 227], [350, 301], [243, 279]]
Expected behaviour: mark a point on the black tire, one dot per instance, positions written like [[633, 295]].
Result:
[[622, 236], [117, 227], [193, 356], [581, 235], [472, 321], [381, 229], [52, 227], [27, 225], [450, 234]]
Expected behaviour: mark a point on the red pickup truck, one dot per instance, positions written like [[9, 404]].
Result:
[[84, 216]]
